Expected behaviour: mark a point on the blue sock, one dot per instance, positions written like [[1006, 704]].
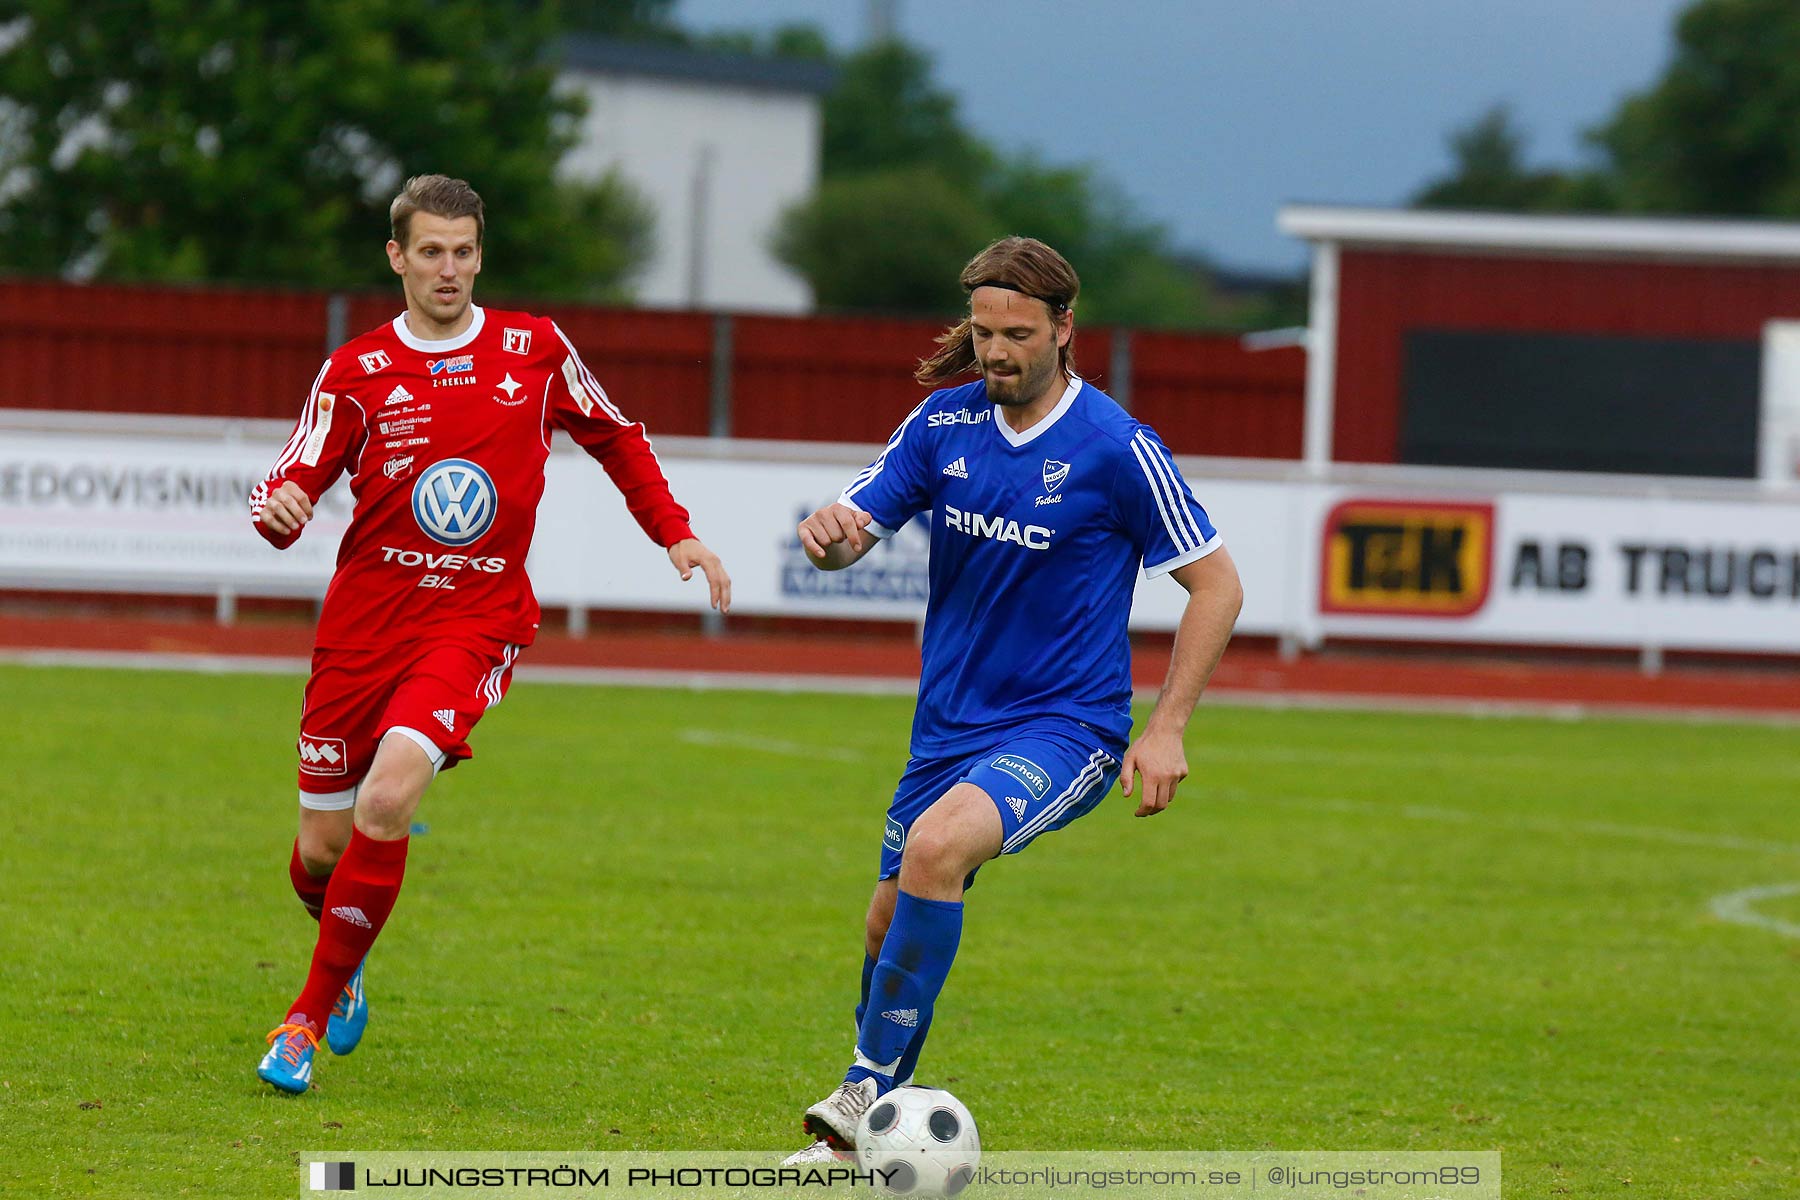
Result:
[[909, 1062], [915, 960], [862, 1005]]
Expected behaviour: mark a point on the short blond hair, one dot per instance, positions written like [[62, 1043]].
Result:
[[439, 195]]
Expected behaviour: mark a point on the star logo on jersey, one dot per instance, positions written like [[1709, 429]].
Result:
[[373, 361], [516, 341], [454, 502], [958, 469], [510, 386], [1054, 474]]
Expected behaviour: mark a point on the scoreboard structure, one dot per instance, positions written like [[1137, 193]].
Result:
[[1639, 346]]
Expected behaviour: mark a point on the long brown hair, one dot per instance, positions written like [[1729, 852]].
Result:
[[1025, 265]]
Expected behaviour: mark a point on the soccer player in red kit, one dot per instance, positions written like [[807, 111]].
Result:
[[442, 418]]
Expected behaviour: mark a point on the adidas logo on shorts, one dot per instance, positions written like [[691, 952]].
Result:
[[1017, 804], [447, 718]]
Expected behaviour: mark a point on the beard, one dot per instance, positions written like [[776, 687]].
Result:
[[1016, 391]]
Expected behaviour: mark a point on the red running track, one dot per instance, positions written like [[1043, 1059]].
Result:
[[1249, 669]]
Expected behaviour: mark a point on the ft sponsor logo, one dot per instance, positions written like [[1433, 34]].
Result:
[[1406, 558]]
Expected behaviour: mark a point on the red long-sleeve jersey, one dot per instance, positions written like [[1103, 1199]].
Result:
[[445, 444]]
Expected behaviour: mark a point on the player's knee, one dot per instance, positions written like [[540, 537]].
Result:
[[384, 811], [320, 849], [875, 928], [934, 851]]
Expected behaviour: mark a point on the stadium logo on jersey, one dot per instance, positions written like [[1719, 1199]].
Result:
[[321, 756], [516, 341], [454, 502], [998, 529], [1054, 474], [1406, 558], [961, 416], [459, 365], [373, 361], [958, 469], [1034, 777]]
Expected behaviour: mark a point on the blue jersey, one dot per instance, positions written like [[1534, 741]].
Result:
[[1036, 540]]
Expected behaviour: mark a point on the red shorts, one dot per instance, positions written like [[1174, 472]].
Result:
[[434, 691]]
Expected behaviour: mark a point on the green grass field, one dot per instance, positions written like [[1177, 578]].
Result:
[[634, 924]]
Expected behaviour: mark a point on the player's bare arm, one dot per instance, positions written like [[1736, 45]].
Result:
[[690, 553], [1215, 597], [287, 509], [836, 536]]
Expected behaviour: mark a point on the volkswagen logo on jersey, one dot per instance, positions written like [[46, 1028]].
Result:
[[454, 502]]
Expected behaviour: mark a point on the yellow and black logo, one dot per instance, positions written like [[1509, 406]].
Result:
[[1406, 557]]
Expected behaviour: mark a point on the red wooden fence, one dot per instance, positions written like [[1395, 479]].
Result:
[[237, 352]]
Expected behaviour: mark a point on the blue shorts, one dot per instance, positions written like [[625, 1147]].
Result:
[[1040, 777]]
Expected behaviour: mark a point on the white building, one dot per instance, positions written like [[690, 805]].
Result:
[[720, 144]]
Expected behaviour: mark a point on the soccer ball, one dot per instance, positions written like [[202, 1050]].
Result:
[[919, 1142]]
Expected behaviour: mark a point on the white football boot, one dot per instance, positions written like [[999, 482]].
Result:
[[833, 1119], [817, 1153]]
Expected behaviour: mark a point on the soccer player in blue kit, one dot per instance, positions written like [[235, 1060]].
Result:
[[1045, 497]]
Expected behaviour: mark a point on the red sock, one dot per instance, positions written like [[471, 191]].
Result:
[[358, 898], [310, 888]]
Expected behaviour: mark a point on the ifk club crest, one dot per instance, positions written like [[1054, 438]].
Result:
[[454, 502], [1054, 474]]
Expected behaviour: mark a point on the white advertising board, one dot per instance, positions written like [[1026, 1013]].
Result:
[[589, 552], [1404, 554], [1569, 569], [155, 512]]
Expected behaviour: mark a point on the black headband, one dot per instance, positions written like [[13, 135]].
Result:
[[1056, 303]]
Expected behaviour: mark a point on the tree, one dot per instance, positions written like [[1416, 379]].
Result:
[[643, 20], [261, 142], [885, 240], [1490, 170], [1720, 131], [1716, 134], [886, 113], [910, 193]]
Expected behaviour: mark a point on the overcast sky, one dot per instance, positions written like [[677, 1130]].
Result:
[[1211, 114]]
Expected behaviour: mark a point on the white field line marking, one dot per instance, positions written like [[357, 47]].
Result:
[[1267, 753], [763, 745], [1428, 812], [748, 681], [1734, 907]]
